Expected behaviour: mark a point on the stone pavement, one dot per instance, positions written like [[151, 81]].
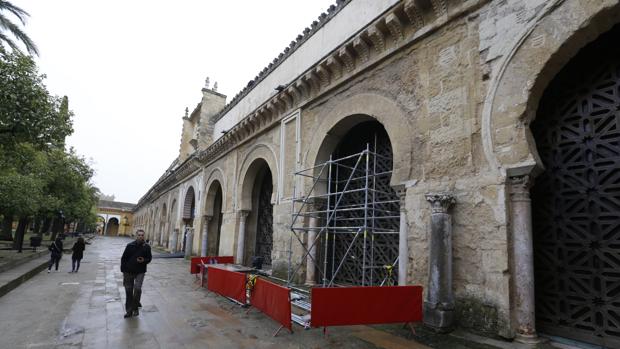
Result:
[[85, 310], [13, 277]]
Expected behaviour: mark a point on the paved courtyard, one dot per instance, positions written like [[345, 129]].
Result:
[[85, 310]]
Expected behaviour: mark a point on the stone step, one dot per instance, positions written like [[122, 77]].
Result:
[[10, 279]]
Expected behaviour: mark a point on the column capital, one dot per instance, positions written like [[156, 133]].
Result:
[[440, 202], [208, 217], [520, 187], [401, 191], [244, 213]]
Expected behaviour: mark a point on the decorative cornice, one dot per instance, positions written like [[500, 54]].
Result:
[[292, 47], [360, 51], [401, 25]]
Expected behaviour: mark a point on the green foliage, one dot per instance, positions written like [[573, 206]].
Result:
[[68, 181], [28, 113], [21, 179], [38, 176], [7, 25]]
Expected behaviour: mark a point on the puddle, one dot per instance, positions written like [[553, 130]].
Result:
[[149, 309], [71, 330], [197, 322]]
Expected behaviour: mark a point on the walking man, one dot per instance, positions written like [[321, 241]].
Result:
[[133, 266]]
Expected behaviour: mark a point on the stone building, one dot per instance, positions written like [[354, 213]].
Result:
[[498, 124], [114, 218]]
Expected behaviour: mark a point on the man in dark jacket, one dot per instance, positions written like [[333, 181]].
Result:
[[133, 266]]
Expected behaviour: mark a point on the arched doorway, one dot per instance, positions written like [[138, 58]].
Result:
[[189, 212], [163, 236], [363, 205], [256, 194], [264, 220], [214, 203], [112, 229], [172, 217], [576, 201]]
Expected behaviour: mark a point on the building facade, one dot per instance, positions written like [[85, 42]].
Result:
[[114, 218], [485, 136]]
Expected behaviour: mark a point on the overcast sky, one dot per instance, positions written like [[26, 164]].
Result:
[[131, 67]]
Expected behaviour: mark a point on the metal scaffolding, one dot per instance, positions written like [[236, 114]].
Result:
[[349, 216]]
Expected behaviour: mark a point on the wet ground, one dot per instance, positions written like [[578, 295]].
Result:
[[85, 310]]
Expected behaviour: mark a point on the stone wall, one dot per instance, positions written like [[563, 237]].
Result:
[[455, 97]]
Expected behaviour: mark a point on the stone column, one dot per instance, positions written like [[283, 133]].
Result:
[[439, 303], [174, 240], [189, 242], [403, 244], [163, 234], [523, 259], [311, 262], [243, 215], [205, 236]]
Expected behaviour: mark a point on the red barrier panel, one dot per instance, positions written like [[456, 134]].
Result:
[[273, 300], [227, 283], [193, 266], [334, 306]]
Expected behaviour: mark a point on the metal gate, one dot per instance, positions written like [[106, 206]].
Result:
[[384, 221], [576, 202], [264, 229]]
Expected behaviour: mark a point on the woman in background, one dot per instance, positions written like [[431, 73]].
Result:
[[78, 253], [56, 252]]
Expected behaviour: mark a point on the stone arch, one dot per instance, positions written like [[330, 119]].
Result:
[[189, 204], [156, 225], [213, 207], [216, 177], [250, 167], [172, 217], [525, 72], [163, 211], [163, 222], [576, 133], [113, 225], [355, 110]]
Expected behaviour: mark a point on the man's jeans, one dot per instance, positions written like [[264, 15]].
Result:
[[133, 290]]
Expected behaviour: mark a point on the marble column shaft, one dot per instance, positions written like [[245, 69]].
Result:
[[243, 215], [311, 261], [439, 303], [189, 239], [523, 258], [205, 237], [403, 243], [174, 240]]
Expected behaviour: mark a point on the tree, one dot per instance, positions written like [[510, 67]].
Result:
[[22, 170], [39, 178], [6, 25], [68, 183], [28, 113]]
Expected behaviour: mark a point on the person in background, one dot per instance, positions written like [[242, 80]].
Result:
[[78, 253], [56, 253], [136, 256]]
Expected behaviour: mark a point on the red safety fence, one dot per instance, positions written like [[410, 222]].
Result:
[[227, 283], [195, 261], [335, 306], [273, 300]]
